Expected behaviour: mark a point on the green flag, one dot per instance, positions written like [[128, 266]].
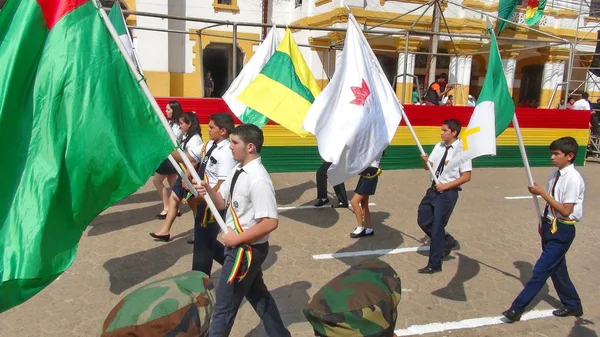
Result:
[[78, 135], [494, 110], [506, 8]]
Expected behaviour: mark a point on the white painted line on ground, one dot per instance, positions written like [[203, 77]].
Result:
[[521, 197], [287, 208], [406, 290], [467, 323], [371, 252]]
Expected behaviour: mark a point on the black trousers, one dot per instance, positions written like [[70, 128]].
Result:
[[340, 190]]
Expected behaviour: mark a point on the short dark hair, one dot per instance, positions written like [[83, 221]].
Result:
[[453, 125], [223, 120], [443, 75], [585, 95], [250, 133], [565, 145]]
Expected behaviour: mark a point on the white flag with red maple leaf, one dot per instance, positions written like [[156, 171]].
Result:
[[356, 116]]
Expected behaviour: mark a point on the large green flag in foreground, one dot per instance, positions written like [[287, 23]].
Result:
[[77, 135]]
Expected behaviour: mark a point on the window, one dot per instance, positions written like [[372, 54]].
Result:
[[298, 3], [226, 5]]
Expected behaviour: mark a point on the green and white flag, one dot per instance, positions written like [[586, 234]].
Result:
[[118, 21], [494, 110]]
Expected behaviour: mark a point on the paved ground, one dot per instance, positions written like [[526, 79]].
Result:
[[498, 239]]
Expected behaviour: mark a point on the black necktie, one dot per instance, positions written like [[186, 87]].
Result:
[[205, 160], [233, 181], [440, 167], [556, 176]]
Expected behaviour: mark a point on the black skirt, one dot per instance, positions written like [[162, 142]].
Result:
[[367, 183], [166, 168]]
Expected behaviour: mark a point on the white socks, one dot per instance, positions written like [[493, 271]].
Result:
[[358, 230]]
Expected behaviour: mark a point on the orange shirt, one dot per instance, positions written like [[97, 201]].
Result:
[[435, 86]]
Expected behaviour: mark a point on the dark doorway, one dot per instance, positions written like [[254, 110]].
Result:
[[217, 59], [531, 84]]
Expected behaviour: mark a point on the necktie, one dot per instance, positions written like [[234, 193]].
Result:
[[205, 160], [556, 176], [233, 181], [440, 167]]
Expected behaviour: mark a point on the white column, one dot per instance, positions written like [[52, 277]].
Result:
[[558, 77], [459, 71], [459, 74], [410, 67], [553, 75], [510, 67], [547, 75]]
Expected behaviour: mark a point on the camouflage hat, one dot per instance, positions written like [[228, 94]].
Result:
[[180, 306], [359, 302]]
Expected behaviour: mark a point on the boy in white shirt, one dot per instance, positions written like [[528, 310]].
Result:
[[436, 207], [248, 198], [216, 162], [564, 209]]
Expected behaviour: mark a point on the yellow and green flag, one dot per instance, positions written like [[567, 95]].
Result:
[[285, 88]]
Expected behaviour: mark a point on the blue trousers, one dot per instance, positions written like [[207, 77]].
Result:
[[433, 215], [206, 246], [552, 263], [230, 296]]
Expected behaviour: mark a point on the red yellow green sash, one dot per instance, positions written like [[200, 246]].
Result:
[[239, 270]]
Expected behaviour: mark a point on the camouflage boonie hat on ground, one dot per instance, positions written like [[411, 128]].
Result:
[[359, 302], [177, 306]]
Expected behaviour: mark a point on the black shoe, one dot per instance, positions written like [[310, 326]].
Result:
[[339, 205], [322, 202], [429, 270], [191, 241], [448, 248], [361, 234], [512, 315], [164, 238], [178, 213], [161, 216], [568, 312]]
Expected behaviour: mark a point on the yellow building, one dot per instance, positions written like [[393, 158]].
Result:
[[536, 60]]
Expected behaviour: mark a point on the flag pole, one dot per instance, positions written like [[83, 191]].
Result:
[[163, 120], [515, 122], [536, 204], [135, 54], [414, 135]]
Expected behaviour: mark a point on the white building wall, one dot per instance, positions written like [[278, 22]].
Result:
[[152, 47]]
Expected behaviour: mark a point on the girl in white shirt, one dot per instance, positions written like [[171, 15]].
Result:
[[166, 170]]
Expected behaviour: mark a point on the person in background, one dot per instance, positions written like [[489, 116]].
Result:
[[166, 169], [583, 103], [415, 96], [434, 93], [209, 85], [471, 101], [562, 104], [450, 101], [570, 103]]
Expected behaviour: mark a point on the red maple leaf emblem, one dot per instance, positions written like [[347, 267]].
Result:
[[360, 93]]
